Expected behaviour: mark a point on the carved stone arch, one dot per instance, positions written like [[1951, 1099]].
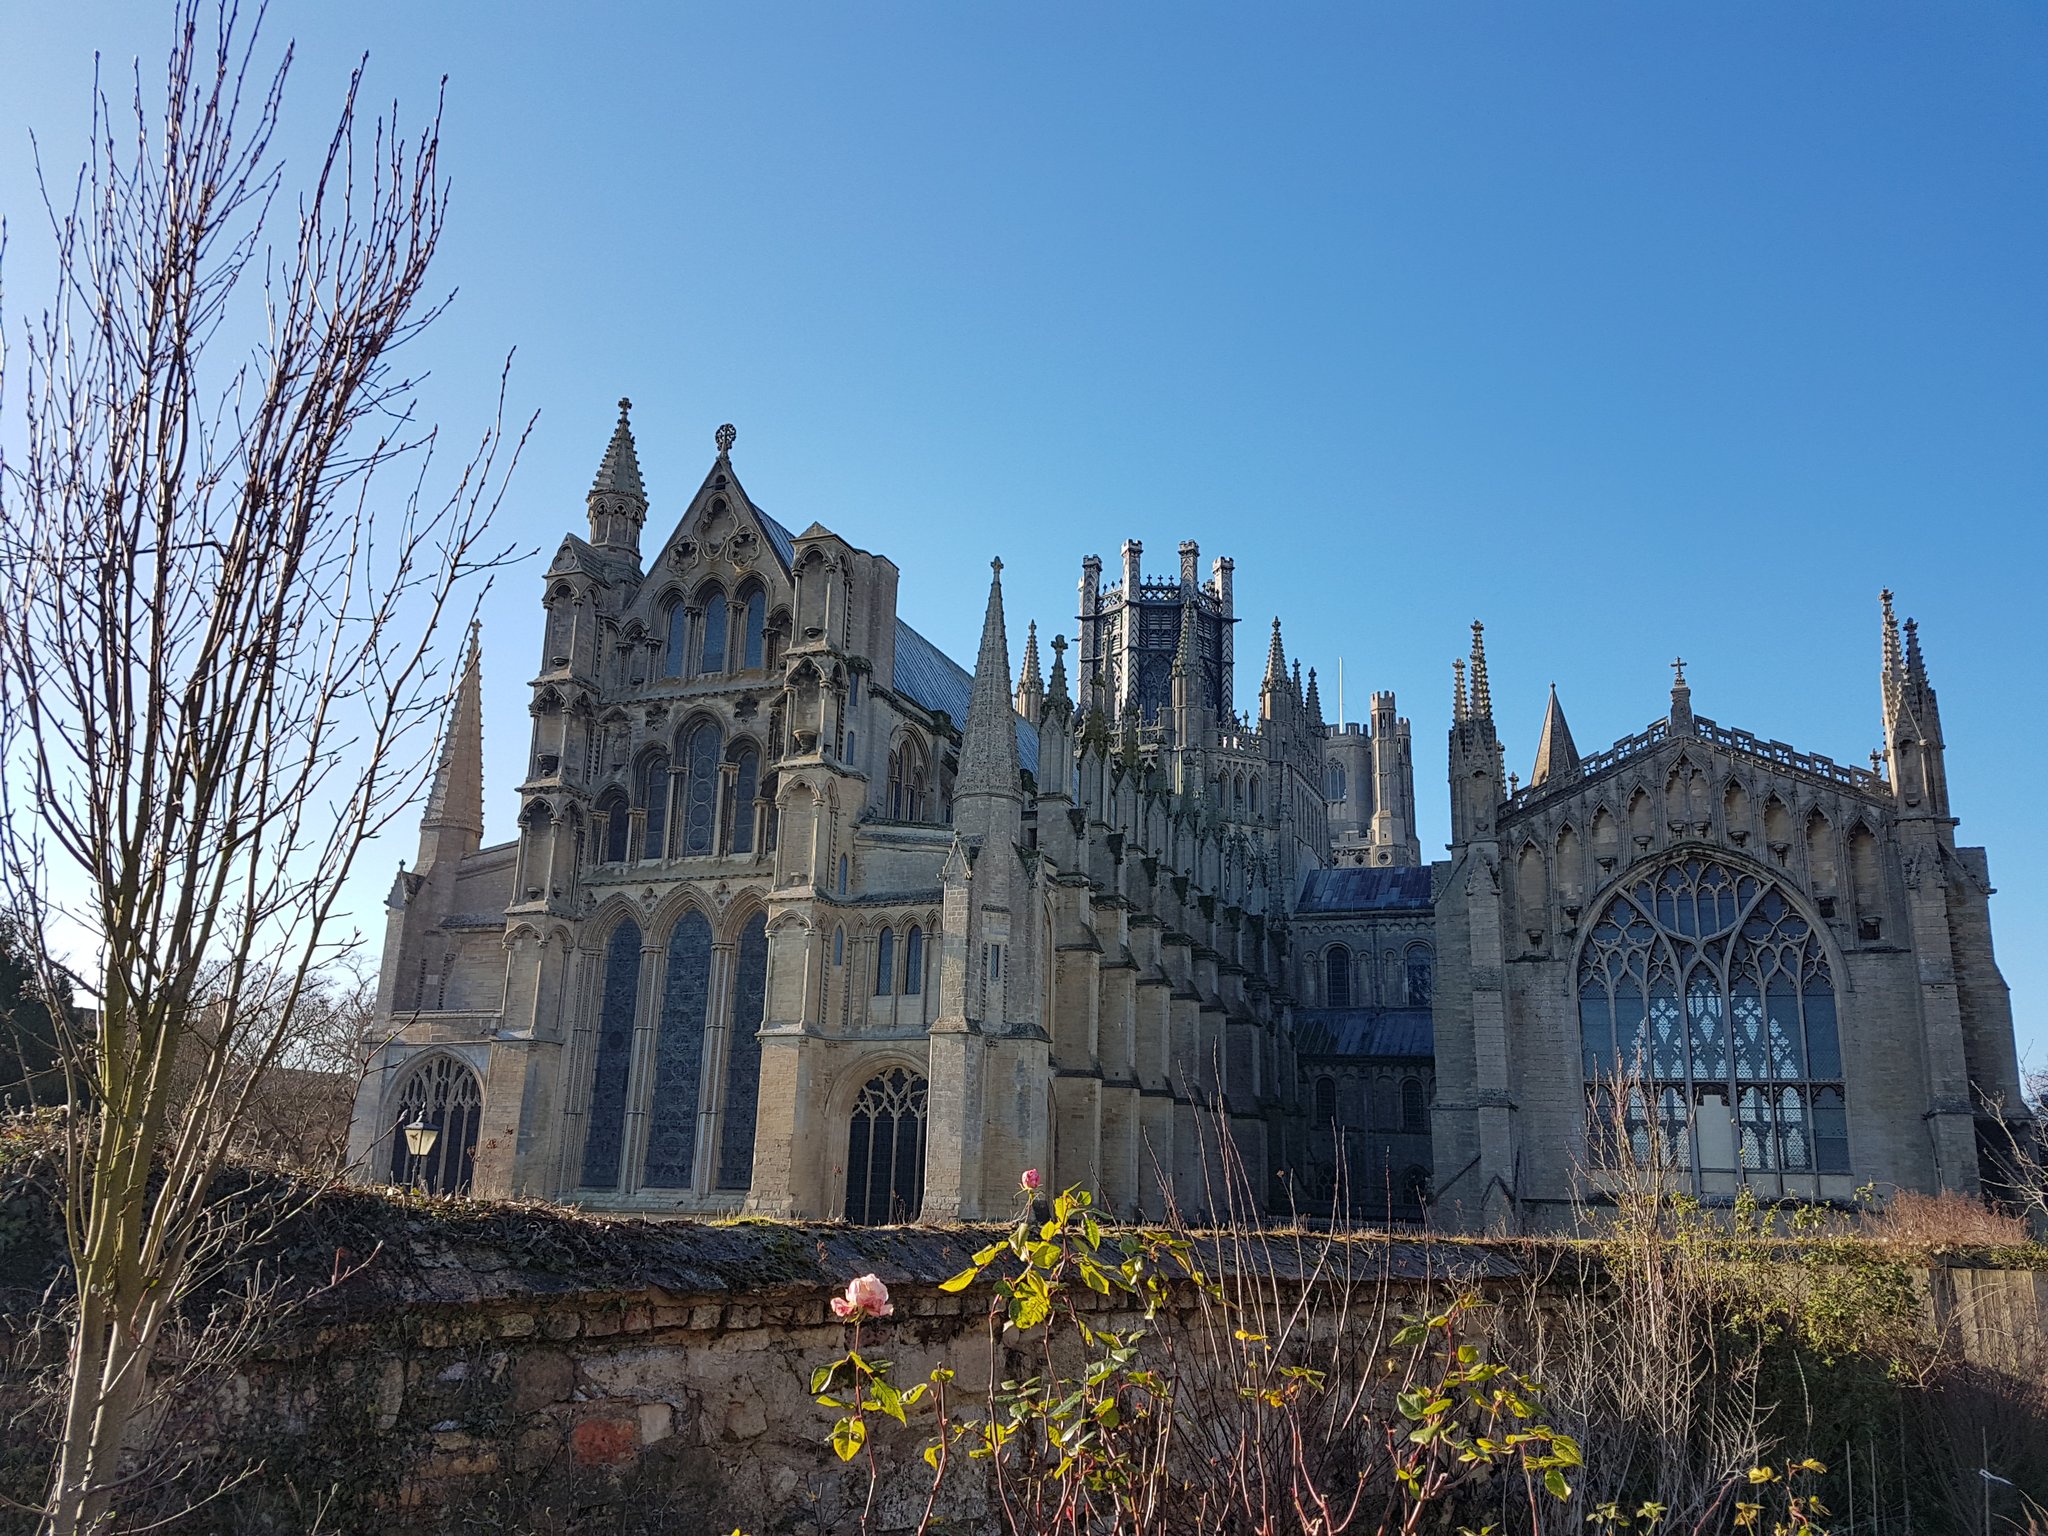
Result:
[[782, 922], [1823, 868], [440, 1089], [596, 932], [1642, 816], [671, 907], [746, 905], [1735, 807], [521, 933]]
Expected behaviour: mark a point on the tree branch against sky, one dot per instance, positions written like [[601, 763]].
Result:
[[223, 582]]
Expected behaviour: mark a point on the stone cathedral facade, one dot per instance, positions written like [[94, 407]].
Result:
[[804, 918]]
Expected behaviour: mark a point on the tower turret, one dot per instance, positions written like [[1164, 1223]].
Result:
[[1912, 723], [1030, 684], [618, 497], [1477, 771], [452, 826]]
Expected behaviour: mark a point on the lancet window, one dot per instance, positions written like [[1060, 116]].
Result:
[[654, 799], [620, 998], [711, 647], [1708, 1026], [1337, 977], [913, 962], [746, 789], [699, 751], [754, 630]]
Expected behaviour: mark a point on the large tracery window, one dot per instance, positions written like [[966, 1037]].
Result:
[[1707, 1020], [885, 1150], [443, 1093]]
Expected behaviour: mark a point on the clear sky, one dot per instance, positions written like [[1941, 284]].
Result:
[[1633, 330]]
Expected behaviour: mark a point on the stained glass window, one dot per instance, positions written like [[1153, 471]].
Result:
[[654, 798], [746, 789], [913, 962], [679, 1055], [743, 1057], [604, 1135], [618, 825], [885, 962], [700, 787], [678, 640], [1709, 987], [1337, 977], [446, 1095], [754, 639], [711, 649]]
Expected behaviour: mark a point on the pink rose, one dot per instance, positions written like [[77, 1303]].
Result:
[[865, 1297], [1030, 1180]]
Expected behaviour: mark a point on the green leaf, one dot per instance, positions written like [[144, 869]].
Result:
[[965, 1278], [931, 1455], [1553, 1481], [848, 1436], [822, 1376]]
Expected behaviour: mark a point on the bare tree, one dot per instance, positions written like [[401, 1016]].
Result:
[[218, 670]]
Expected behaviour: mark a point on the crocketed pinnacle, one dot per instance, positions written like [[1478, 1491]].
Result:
[[1482, 694], [1184, 652], [1556, 755], [457, 796], [988, 749], [1314, 702], [1030, 677], [1916, 664], [1458, 708], [1058, 687], [618, 472], [1894, 667], [1276, 658]]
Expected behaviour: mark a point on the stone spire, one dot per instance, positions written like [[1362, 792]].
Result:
[[1276, 657], [1912, 724], [618, 496], [455, 802], [1030, 684], [1314, 702], [989, 769], [1556, 755], [1058, 689], [1458, 707], [1482, 694], [1916, 664], [1184, 650], [1894, 676]]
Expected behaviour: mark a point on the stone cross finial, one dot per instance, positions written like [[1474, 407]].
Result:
[[726, 438], [1678, 667]]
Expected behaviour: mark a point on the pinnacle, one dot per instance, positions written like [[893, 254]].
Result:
[[618, 472], [1030, 677], [1276, 657], [988, 746], [1556, 754]]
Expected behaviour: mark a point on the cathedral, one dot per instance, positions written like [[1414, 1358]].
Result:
[[804, 918]]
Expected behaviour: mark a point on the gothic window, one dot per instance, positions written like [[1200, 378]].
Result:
[[1421, 975], [913, 962], [699, 751], [561, 625], [746, 789], [1711, 996], [908, 778], [604, 1136], [618, 824], [885, 1150], [1326, 1102], [842, 874], [444, 1094], [754, 630], [677, 646], [838, 947], [1337, 977], [1333, 782], [743, 1056], [711, 645], [679, 1055], [885, 962], [654, 800], [1255, 794], [1414, 1107]]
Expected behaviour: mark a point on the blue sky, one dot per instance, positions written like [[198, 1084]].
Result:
[[1634, 331]]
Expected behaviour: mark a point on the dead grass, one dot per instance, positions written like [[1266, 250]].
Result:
[[1944, 1220]]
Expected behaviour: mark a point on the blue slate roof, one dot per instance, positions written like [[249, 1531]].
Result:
[[1355, 889], [779, 537], [1401, 1033], [927, 676]]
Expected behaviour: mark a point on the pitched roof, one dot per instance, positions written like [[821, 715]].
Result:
[[1406, 1034], [1350, 888], [931, 679]]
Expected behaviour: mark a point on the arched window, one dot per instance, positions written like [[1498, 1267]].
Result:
[[885, 1150], [754, 630], [1255, 794], [885, 962], [561, 626], [699, 751], [746, 789], [838, 947], [445, 1094], [1326, 1103], [677, 646], [908, 777], [1337, 977], [654, 800], [1333, 782], [1707, 990], [679, 1055], [604, 1138], [842, 874], [913, 962], [1414, 1107], [743, 1056], [618, 824], [711, 646], [1421, 975]]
